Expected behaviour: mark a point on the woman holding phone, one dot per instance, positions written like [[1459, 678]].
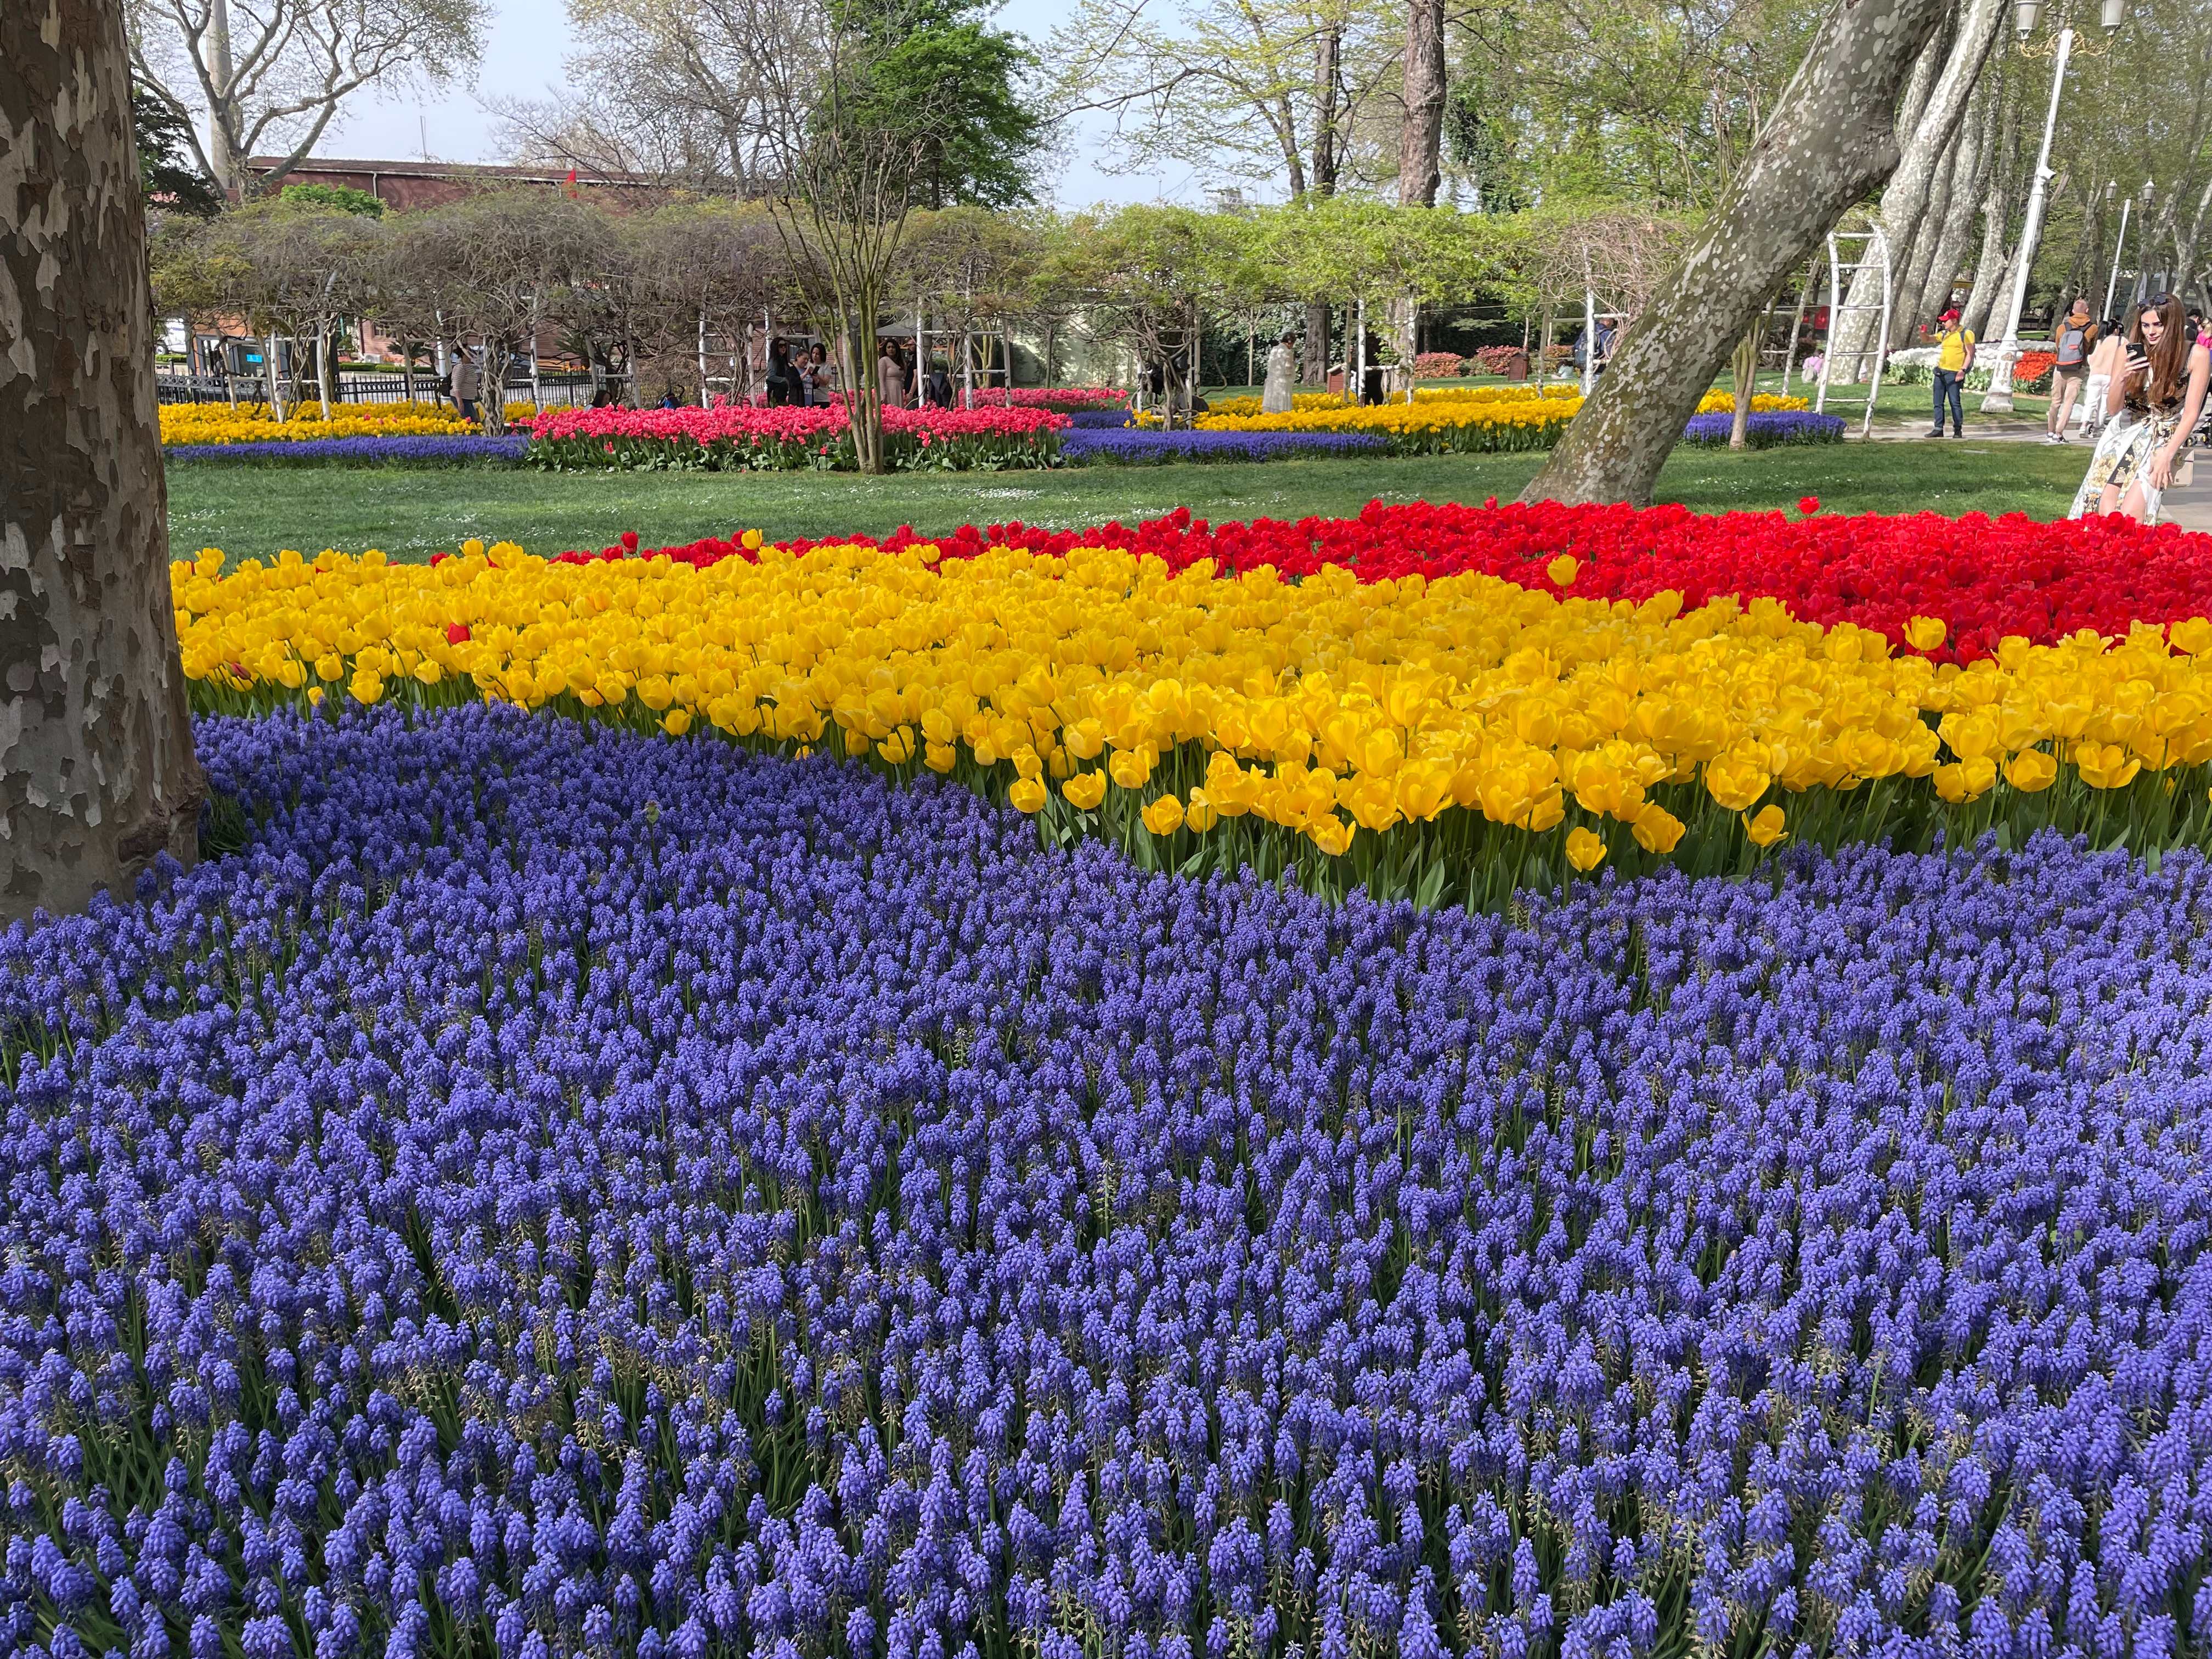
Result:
[[2154, 400]]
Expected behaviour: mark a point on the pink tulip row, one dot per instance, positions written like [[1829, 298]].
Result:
[[728, 423]]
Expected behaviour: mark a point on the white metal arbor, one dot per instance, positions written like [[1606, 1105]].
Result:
[[1872, 254]]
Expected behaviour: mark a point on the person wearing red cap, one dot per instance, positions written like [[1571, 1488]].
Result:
[[1954, 355]]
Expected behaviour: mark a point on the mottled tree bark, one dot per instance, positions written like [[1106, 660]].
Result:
[[1997, 219], [1923, 158], [97, 772], [1831, 139], [1969, 178], [1328, 70], [1420, 155]]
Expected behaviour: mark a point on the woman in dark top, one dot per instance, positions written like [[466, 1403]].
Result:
[[778, 374]]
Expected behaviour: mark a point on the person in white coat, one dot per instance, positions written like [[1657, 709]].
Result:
[[1282, 369]]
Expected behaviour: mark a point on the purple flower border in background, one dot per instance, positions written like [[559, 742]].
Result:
[[1767, 429], [1129, 447], [424, 449]]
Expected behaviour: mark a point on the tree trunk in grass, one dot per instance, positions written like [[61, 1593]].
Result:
[[1745, 362], [97, 771], [1831, 139]]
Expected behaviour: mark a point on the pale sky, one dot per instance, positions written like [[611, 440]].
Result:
[[529, 41]]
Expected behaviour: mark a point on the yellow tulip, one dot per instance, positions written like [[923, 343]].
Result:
[[2193, 636], [1332, 835], [939, 756], [1764, 827], [1585, 851], [2105, 766], [1200, 815], [1563, 570], [2031, 770], [676, 722], [1131, 768], [365, 688], [1656, 830], [1027, 794], [1085, 790], [1164, 817], [1735, 782]]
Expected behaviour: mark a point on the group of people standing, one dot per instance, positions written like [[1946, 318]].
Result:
[[902, 387], [803, 378], [2140, 388]]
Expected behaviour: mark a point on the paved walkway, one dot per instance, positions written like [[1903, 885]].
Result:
[[2191, 508]]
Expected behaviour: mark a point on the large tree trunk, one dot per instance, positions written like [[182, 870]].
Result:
[[1921, 161], [1831, 139], [1420, 143], [1970, 173], [1420, 136], [1329, 46], [1996, 220], [97, 772]]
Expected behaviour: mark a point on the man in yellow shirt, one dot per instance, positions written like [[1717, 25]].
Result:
[[1954, 355]]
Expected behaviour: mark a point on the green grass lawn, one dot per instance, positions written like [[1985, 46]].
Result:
[[256, 511]]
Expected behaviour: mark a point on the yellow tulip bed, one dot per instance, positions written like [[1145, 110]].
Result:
[[1762, 403], [1452, 739], [184, 424], [1427, 427], [253, 423]]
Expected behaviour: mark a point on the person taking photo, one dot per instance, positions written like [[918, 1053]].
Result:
[[2155, 401]]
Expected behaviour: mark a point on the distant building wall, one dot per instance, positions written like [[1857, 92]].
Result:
[[405, 185]]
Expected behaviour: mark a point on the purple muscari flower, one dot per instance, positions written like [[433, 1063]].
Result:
[[1767, 428], [810, 1205], [1138, 445], [400, 449]]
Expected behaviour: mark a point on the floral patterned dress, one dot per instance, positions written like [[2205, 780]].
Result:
[[2124, 454]]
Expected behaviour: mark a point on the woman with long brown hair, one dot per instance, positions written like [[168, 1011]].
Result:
[[2155, 399]]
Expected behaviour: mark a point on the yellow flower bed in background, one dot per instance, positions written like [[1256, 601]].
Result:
[[219, 423], [1513, 392], [1434, 716], [1762, 403], [1427, 425]]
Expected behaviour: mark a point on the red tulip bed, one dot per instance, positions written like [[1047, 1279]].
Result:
[[740, 437], [1986, 578]]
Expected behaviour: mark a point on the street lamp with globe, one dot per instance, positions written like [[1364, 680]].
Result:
[[1998, 399]]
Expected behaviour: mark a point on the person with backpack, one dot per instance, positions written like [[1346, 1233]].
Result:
[[2075, 339]]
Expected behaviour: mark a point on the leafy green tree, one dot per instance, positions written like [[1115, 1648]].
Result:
[[165, 172], [935, 69]]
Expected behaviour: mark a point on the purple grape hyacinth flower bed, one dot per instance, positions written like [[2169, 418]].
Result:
[[554, 1191], [1136, 446], [1767, 428], [404, 449]]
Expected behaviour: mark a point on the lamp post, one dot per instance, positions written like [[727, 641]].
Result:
[[2119, 247], [1998, 399]]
